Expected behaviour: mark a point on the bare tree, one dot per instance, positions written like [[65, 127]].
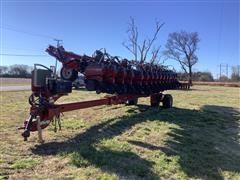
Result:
[[182, 47], [142, 50], [235, 76]]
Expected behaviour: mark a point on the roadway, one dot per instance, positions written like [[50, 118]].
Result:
[[15, 88]]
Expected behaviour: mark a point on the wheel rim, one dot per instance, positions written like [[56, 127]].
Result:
[[67, 73]]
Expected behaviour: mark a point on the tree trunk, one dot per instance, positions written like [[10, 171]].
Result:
[[190, 76]]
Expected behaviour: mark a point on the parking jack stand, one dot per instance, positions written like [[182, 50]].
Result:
[[40, 138]]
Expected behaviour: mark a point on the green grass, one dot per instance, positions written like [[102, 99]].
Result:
[[199, 139], [25, 163]]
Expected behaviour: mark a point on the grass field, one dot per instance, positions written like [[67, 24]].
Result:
[[216, 83], [14, 81], [199, 138]]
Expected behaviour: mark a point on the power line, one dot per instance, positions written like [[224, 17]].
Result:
[[27, 32], [26, 55], [6, 49]]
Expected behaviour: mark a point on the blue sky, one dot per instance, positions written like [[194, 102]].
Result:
[[86, 26]]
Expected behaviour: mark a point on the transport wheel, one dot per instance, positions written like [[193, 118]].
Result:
[[68, 74], [167, 101], [132, 102]]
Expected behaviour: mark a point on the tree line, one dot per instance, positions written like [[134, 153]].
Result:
[[24, 71], [16, 71], [208, 77]]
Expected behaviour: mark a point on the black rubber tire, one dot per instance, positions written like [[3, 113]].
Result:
[[132, 102], [68, 74], [167, 101]]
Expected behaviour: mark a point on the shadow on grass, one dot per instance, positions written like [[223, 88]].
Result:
[[206, 142]]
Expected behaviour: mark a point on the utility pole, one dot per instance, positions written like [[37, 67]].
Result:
[[227, 69], [220, 71], [58, 41], [58, 45], [237, 69], [223, 70]]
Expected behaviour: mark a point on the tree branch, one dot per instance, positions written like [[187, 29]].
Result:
[[141, 50], [158, 27]]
